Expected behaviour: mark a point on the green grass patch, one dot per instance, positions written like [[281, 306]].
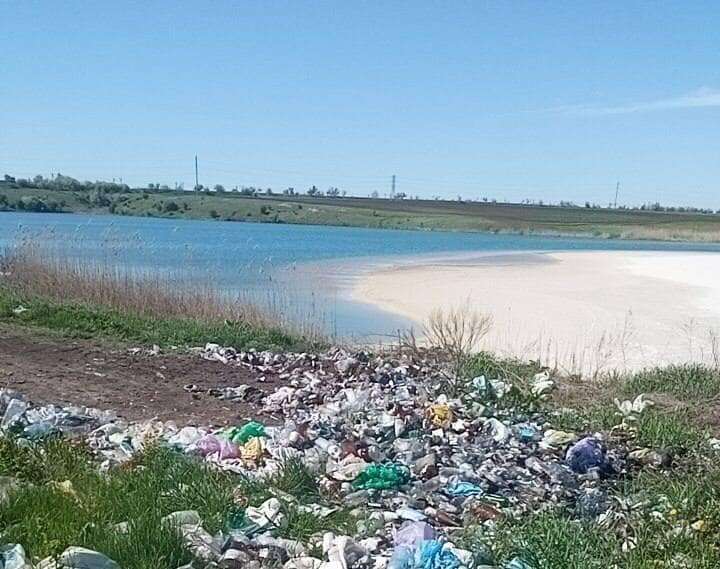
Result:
[[551, 540], [302, 525], [654, 428], [493, 367], [80, 320], [295, 479], [71, 503], [63, 500], [688, 383], [660, 508], [55, 459], [544, 541], [666, 430]]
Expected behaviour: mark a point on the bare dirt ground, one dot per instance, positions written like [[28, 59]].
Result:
[[50, 369]]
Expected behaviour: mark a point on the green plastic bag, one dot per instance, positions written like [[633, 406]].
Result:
[[381, 477], [241, 435], [236, 519]]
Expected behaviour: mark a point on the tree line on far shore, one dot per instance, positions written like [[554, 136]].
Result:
[[99, 195]]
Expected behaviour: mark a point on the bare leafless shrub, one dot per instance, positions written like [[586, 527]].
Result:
[[457, 332], [408, 342]]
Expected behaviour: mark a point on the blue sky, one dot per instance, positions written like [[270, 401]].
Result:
[[511, 100]]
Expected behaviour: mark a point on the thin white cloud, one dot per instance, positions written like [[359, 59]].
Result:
[[700, 99]]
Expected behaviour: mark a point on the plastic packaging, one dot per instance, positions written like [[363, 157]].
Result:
[[464, 489], [241, 435], [211, 444], [402, 558], [381, 477], [440, 415], [432, 555], [412, 534], [585, 454]]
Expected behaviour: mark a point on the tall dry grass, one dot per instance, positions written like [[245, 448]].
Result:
[[29, 268]]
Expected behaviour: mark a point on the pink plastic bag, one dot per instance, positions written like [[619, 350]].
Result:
[[210, 444]]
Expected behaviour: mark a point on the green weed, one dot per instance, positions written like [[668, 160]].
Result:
[[689, 383], [87, 321], [47, 517], [294, 478], [494, 367]]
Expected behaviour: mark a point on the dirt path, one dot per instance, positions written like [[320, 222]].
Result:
[[56, 370]]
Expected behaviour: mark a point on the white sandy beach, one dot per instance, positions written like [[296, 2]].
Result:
[[583, 311]]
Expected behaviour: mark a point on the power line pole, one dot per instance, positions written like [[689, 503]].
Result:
[[392, 190], [617, 191], [197, 184]]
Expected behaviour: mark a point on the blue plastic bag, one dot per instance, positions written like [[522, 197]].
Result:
[[432, 555], [464, 489]]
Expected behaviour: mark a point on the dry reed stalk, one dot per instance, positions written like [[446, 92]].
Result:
[[29, 269]]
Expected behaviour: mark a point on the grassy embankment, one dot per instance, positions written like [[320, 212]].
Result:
[[390, 214], [76, 300]]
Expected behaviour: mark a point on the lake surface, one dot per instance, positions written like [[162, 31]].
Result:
[[300, 269]]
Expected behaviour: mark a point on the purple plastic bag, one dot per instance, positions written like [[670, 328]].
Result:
[[411, 534], [210, 444], [585, 454]]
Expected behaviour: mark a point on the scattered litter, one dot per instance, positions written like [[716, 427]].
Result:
[[385, 438], [631, 410], [12, 556], [81, 558]]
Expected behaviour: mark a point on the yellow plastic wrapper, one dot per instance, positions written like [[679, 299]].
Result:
[[440, 415], [252, 450]]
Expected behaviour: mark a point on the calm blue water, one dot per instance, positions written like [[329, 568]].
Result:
[[259, 259]]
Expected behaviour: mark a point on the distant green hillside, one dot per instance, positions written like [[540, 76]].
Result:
[[368, 212]]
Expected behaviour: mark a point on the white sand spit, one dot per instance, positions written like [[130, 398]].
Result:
[[582, 311]]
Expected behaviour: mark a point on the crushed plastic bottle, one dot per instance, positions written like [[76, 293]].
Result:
[[13, 556]]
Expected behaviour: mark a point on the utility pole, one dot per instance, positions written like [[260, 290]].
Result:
[[392, 191], [617, 191], [197, 184]]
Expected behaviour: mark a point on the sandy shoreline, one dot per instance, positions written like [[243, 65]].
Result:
[[583, 311]]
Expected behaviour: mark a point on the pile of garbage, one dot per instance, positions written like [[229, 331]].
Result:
[[419, 453]]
